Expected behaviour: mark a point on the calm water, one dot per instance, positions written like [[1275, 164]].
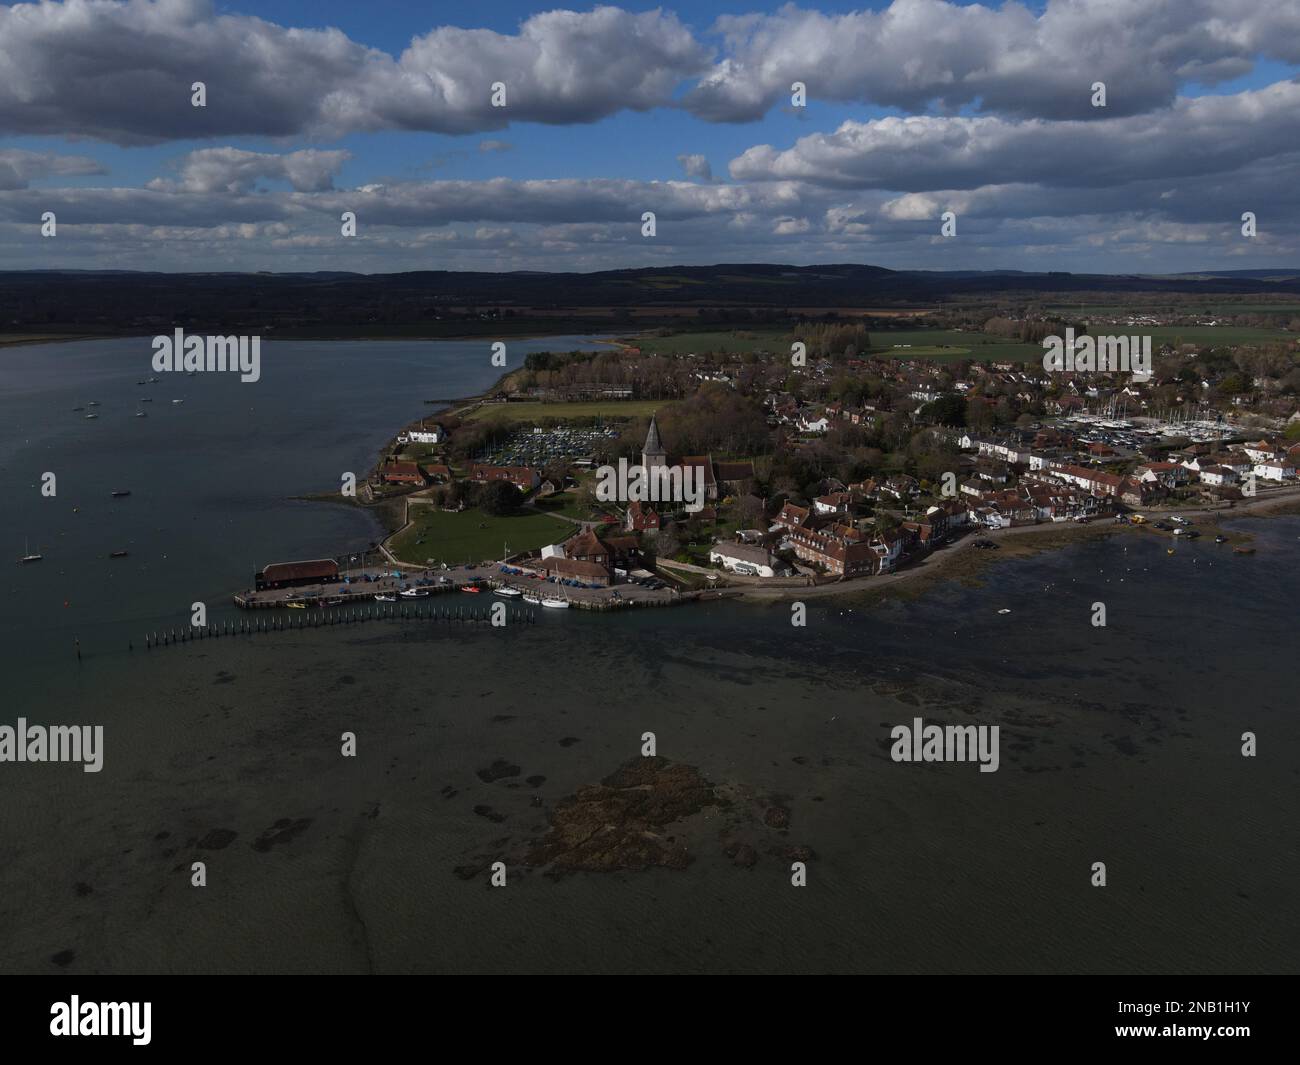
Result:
[[1119, 744], [210, 478]]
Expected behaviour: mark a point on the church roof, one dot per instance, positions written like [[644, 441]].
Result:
[[652, 444]]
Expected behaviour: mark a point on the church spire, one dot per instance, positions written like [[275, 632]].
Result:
[[653, 454]]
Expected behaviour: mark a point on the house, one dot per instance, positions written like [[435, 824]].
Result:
[[793, 517], [1169, 474], [1217, 476], [579, 570], [1010, 453], [586, 546], [902, 487], [836, 554], [525, 478], [622, 549], [1238, 464], [401, 473], [834, 503], [642, 518], [746, 559], [438, 473], [434, 434], [887, 546], [1096, 481], [1260, 451], [1276, 470]]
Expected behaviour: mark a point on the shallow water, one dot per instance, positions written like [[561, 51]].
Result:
[[1119, 744]]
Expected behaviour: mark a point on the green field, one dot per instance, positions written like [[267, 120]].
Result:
[[1212, 335], [1109, 309], [530, 413], [739, 341], [950, 344], [457, 537], [954, 344]]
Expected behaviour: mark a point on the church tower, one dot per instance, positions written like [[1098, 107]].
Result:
[[653, 454]]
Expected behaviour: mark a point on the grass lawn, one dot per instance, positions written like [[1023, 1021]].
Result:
[[457, 537], [565, 503], [531, 413]]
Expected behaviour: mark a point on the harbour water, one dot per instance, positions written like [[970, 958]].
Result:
[[1120, 744]]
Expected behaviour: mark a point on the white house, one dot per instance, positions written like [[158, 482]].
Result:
[[746, 559], [1006, 452], [1260, 451], [423, 435], [1217, 476], [1276, 470]]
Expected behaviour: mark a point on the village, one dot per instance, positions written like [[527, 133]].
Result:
[[850, 467]]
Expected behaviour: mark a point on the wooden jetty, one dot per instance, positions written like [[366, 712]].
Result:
[[353, 614]]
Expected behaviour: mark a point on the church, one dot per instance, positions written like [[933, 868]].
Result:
[[733, 477]]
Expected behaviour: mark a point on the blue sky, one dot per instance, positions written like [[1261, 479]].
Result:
[[915, 107]]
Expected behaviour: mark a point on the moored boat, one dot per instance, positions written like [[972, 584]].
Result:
[[534, 600], [385, 597], [556, 604], [414, 593], [509, 593]]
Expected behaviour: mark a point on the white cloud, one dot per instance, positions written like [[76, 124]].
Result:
[[1196, 136], [235, 171], [696, 166], [1007, 60], [19, 168], [121, 70]]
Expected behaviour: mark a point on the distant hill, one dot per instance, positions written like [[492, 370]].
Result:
[[428, 302]]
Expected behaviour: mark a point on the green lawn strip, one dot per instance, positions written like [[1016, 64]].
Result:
[[473, 536]]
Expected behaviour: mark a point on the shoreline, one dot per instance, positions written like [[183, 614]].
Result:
[[1015, 542]]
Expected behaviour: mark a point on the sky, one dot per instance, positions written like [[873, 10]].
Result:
[[909, 110]]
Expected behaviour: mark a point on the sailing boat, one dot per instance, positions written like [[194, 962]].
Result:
[[27, 555]]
